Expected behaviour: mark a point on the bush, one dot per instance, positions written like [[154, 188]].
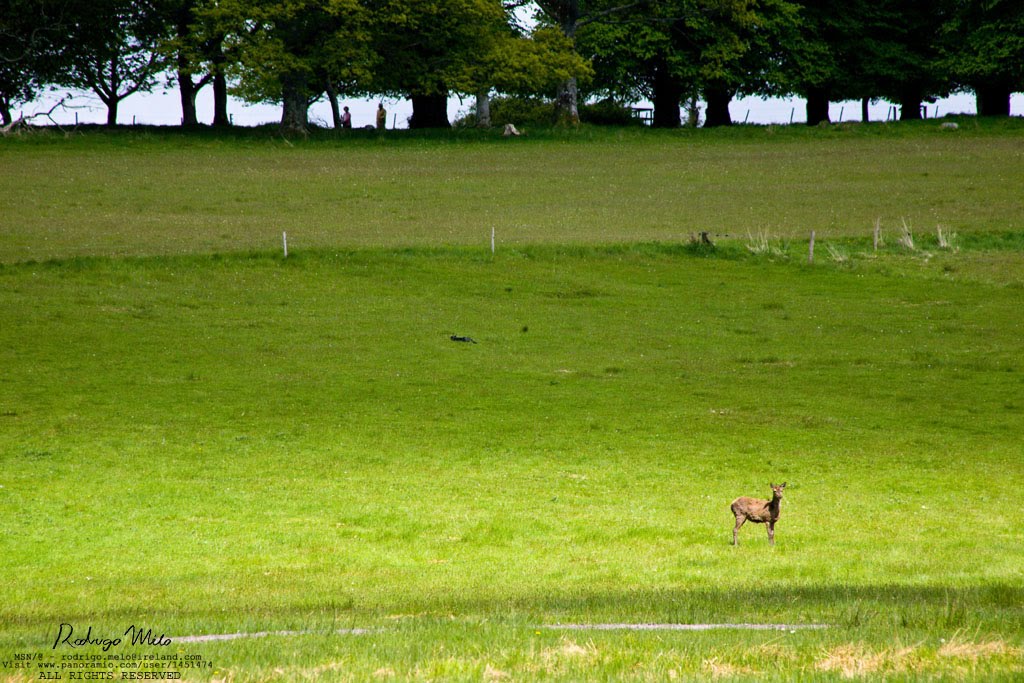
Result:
[[536, 111], [519, 111], [608, 112]]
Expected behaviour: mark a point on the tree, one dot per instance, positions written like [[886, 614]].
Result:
[[986, 51], [426, 48], [524, 65], [115, 47], [569, 16], [19, 73], [33, 34], [743, 51], [818, 64], [863, 50], [635, 57], [196, 48], [287, 51], [671, 50], [901, 59]]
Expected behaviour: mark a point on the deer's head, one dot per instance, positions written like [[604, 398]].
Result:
[[777, 489]]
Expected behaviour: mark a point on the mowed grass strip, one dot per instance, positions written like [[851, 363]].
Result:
[[232, 443], [166, 192]]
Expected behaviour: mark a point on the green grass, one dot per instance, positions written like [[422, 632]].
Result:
[[217, 443], [164, 192]]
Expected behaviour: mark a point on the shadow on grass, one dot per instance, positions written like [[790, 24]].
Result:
[[995, 608], [845, 606]]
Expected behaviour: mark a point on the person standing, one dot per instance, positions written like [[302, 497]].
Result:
[[346, 119], [382, 117]]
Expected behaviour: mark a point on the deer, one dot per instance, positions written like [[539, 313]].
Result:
[[758, 511]]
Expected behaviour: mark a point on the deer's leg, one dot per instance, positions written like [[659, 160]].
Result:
[[735, 530], [771, 533]]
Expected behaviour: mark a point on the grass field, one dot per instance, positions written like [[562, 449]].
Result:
[[199, 436], [163, 193]]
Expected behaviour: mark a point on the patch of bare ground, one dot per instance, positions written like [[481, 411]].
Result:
[[568, 649], [492, 674], [958, 648], [958, 656], [854, 660], [716, 668], [567, 655]]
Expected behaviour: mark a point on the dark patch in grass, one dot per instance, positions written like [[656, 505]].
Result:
[[701, 249], [576, 293], [767, 360], [992, 241], [917, 607], [730, 250]]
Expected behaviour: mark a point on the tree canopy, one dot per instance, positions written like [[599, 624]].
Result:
[[671, 52]]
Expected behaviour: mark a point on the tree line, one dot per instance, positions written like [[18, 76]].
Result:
[[670, 52]]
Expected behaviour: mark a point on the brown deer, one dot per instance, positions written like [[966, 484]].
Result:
[[758, 511]]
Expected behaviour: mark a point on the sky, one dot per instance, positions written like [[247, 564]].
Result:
[[163, 107]]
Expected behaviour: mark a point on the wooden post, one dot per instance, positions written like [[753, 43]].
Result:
[[878, 225], [284, 240], [492, 239], [810, 253]]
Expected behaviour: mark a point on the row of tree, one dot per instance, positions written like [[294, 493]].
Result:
[[294, 52], [902, 51]]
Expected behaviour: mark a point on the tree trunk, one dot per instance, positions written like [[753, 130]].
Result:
[[666, 98], [718, 99], [567, 101], [112, 111], [483, 108], [817, 106], [188, 98], [332, 97], [429, 111], [220, 87], [993, 99], [220, 100], [692, 113], [5, 112], [185, 85], [567, 112], [295, 104], [910, 106], [864, 115]]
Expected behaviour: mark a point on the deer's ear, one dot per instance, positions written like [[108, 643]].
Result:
[[783, 484]]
